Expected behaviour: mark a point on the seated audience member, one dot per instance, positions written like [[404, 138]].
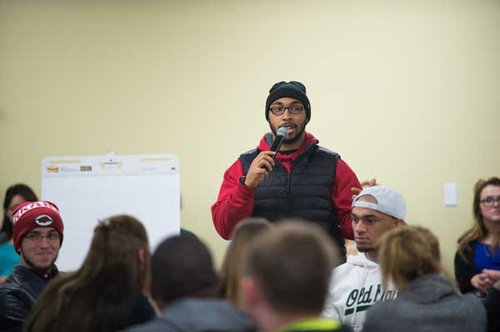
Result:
[[479, 248], [184, 287], [37, 233], [15, 195], [106, 292], [357, 284], [286, 278], [427, 299], [243, 235], [350, 245]]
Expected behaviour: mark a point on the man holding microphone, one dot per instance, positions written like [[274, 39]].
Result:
[[299, 179]]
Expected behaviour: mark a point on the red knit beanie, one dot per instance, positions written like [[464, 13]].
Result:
[[29, 215]]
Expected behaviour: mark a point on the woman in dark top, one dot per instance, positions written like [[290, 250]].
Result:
[[478, 254], [107, 292], [15, 195]]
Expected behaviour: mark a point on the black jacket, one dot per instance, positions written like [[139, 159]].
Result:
[[492, 303], [464, 268], [18, 294]]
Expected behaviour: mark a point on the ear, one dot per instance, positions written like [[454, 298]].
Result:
[[144, 257], [251, 291], [399, 222], [141, 256]]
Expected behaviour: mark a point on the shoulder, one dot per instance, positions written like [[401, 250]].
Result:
[[473, 307], [143, 311], [385, 306], [12, 287], [14, 302], [348, 269], [355, 275], [219, 315], [470, 247], [155, 325], [14, 292], [327, 152], [249, 155], [381, 312], [467, 254], [345, 276], [470, 299], [343, 268]]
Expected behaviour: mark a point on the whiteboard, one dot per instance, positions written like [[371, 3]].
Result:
[[91, 188]]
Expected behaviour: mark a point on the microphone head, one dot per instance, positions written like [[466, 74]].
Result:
[[282, 131]]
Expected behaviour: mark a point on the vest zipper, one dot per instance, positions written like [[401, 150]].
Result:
[[288, 192]]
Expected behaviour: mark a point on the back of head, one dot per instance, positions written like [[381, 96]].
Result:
[[432, 240], [101, 293], [182, 267], [292, 263], [407, 253], [232, 268], [114, 249]]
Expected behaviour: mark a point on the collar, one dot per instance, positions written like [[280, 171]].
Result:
[[46, 274]]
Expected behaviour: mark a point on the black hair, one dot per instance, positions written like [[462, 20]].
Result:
[[17, 189], [182, 267]]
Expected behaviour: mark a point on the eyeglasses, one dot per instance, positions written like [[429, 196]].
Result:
[[280, 109], [37, 237], [490, 200]]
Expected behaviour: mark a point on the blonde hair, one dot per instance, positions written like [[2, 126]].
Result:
[[232, 268], [478, 231], [407, 253]]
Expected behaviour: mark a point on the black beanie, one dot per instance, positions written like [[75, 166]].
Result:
[[292, 89]]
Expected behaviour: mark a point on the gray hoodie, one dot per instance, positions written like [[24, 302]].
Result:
[[430, 304], [196, 315]]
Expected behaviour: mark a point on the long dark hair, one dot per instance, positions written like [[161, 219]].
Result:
[[14, 190], [101, 294]]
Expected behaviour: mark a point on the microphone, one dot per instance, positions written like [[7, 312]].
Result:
[[281, 134]]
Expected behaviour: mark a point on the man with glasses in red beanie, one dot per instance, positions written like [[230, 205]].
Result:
[[37, 234], [300, 180]]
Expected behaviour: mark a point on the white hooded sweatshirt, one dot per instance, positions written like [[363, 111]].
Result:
[[355, 286]]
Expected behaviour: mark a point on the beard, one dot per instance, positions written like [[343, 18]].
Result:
[[291, 140], [365, 249]]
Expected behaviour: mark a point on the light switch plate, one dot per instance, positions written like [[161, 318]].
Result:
[[450, 194]]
